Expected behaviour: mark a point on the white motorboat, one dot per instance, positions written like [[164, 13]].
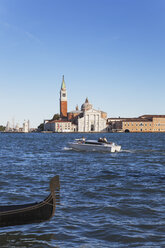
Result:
[[100, 145]]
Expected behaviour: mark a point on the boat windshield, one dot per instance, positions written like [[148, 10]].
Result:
[[93, 143]]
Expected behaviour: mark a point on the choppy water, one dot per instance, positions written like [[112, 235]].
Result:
[[107, 200]]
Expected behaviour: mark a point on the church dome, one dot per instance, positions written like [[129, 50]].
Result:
[[86, 106]]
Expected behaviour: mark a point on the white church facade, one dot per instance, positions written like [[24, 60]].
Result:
[[92, 120]]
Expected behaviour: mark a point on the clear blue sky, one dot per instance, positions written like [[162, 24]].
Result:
[[111, 51]]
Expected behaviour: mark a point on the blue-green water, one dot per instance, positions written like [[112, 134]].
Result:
[[106, 200]]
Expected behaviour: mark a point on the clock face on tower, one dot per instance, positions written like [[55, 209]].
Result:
[[64, 95]]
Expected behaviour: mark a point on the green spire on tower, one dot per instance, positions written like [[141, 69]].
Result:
[[63, 86]]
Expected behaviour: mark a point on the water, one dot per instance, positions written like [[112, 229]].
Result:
[[106, 200]]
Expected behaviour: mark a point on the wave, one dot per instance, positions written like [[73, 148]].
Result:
[[144, 151]]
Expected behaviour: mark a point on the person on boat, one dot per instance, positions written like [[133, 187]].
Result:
[[104, 140], [100, 140]]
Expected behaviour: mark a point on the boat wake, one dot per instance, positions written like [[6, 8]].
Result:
[[67, 149], [144, 151], [129, 151]]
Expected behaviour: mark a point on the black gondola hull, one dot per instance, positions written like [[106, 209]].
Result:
[[30, 213]]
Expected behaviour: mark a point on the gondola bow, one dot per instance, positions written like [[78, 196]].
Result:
[[31, 213]]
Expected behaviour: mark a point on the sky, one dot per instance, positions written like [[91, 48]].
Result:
[[111, 51]]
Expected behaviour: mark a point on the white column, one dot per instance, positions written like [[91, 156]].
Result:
[[98, 123], [88, 124]]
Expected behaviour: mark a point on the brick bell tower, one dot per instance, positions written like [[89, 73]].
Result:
[[63, 100]]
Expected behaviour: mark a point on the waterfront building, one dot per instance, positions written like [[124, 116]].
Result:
[[26, 127], [85, 120], [59, 126], [91, 120], [158, 122], [144, 123], [16, 129], [7, 128], [114, 124]]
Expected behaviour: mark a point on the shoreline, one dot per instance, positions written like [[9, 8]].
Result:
[[50, 132]]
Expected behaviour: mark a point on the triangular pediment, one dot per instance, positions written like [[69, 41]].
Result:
[[92, 111]]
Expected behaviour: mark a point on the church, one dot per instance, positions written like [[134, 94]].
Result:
[[87, 119]]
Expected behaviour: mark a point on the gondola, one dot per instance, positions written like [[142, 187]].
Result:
[[31, 213]]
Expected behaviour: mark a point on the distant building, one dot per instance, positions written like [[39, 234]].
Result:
[[26, 127], [59, 126], [144, 123], [114, 124], [16, 128], [91, 120], [85, 120], [7, 128]]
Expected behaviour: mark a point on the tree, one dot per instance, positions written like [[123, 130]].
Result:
[[41, 127], [56, 117], [2, 128]]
